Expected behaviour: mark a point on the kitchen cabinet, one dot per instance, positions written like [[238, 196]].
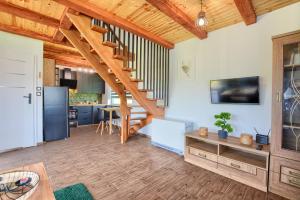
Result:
[[88, 114], [85, 115], [90, 83]]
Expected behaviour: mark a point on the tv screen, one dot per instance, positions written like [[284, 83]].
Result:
[[236, 90], [72, 84]]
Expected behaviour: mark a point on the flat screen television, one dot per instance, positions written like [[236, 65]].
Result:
[[237, 90]]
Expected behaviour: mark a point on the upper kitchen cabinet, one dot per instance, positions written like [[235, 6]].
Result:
[[90, 83]]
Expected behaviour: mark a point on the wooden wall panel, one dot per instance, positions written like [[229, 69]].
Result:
[[49, 72]]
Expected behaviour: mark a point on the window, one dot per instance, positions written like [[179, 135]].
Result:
[[115, 100]]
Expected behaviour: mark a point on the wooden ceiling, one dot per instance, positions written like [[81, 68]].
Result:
[[166, 21], [45, 7], [220, 13]]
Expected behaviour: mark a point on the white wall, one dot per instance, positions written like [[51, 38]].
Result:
[[35, 47], [234, 51]]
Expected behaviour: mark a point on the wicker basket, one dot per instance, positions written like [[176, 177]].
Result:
[[12, 188]]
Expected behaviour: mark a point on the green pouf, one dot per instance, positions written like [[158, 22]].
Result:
[[73, 192]]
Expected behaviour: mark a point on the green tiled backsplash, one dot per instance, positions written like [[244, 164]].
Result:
[[75, 97]]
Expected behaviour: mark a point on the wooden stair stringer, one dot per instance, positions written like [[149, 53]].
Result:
[[74, 37], [82, 23], [142, 124]]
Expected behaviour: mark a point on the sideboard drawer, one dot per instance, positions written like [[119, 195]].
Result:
[[290, 180], [280, 184], [290, 172], [237, 165], [203, 154]]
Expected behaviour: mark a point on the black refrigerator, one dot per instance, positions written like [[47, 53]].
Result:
[[56, 109]]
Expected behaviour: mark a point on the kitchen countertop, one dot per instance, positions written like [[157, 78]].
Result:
[[88, 105]]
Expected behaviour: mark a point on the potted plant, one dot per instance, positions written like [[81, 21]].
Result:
[[222, 122]]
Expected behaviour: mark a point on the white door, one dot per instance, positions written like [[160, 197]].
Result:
[[16, 105]]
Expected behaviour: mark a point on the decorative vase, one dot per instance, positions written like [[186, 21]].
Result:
[[203, 131], [246, 139], [222, 134]]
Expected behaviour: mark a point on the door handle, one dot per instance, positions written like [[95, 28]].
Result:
[[28, 97], [278, 96]]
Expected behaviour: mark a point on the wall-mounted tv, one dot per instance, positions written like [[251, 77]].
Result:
[[237, 90]]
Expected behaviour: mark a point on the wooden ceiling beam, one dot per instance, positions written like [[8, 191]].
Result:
[[62, 50], [92, 10], [246, 10], [178, 16], [20, 31], [28, 14], [70, 64], [67, 58]]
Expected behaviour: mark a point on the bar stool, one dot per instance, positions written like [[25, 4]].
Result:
[[116, 119], [103, 117]]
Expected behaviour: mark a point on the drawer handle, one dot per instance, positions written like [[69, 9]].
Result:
[[202, 155], [294, 173], [294, 182], [235, 166]]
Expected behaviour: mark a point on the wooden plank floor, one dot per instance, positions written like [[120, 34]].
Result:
[[135, 170]]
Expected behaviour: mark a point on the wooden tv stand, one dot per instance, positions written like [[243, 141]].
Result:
[[228, 158]]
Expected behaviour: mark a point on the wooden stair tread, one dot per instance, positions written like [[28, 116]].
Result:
[[99, 29], [137, 118], [135, 80], [135, 106], [119, 57], [139, 112], [127, 69], [135, 124], [82, 39], [93, 51], [110, 44], [144, 90]]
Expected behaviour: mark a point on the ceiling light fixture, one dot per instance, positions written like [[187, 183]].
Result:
[[201, 20]]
